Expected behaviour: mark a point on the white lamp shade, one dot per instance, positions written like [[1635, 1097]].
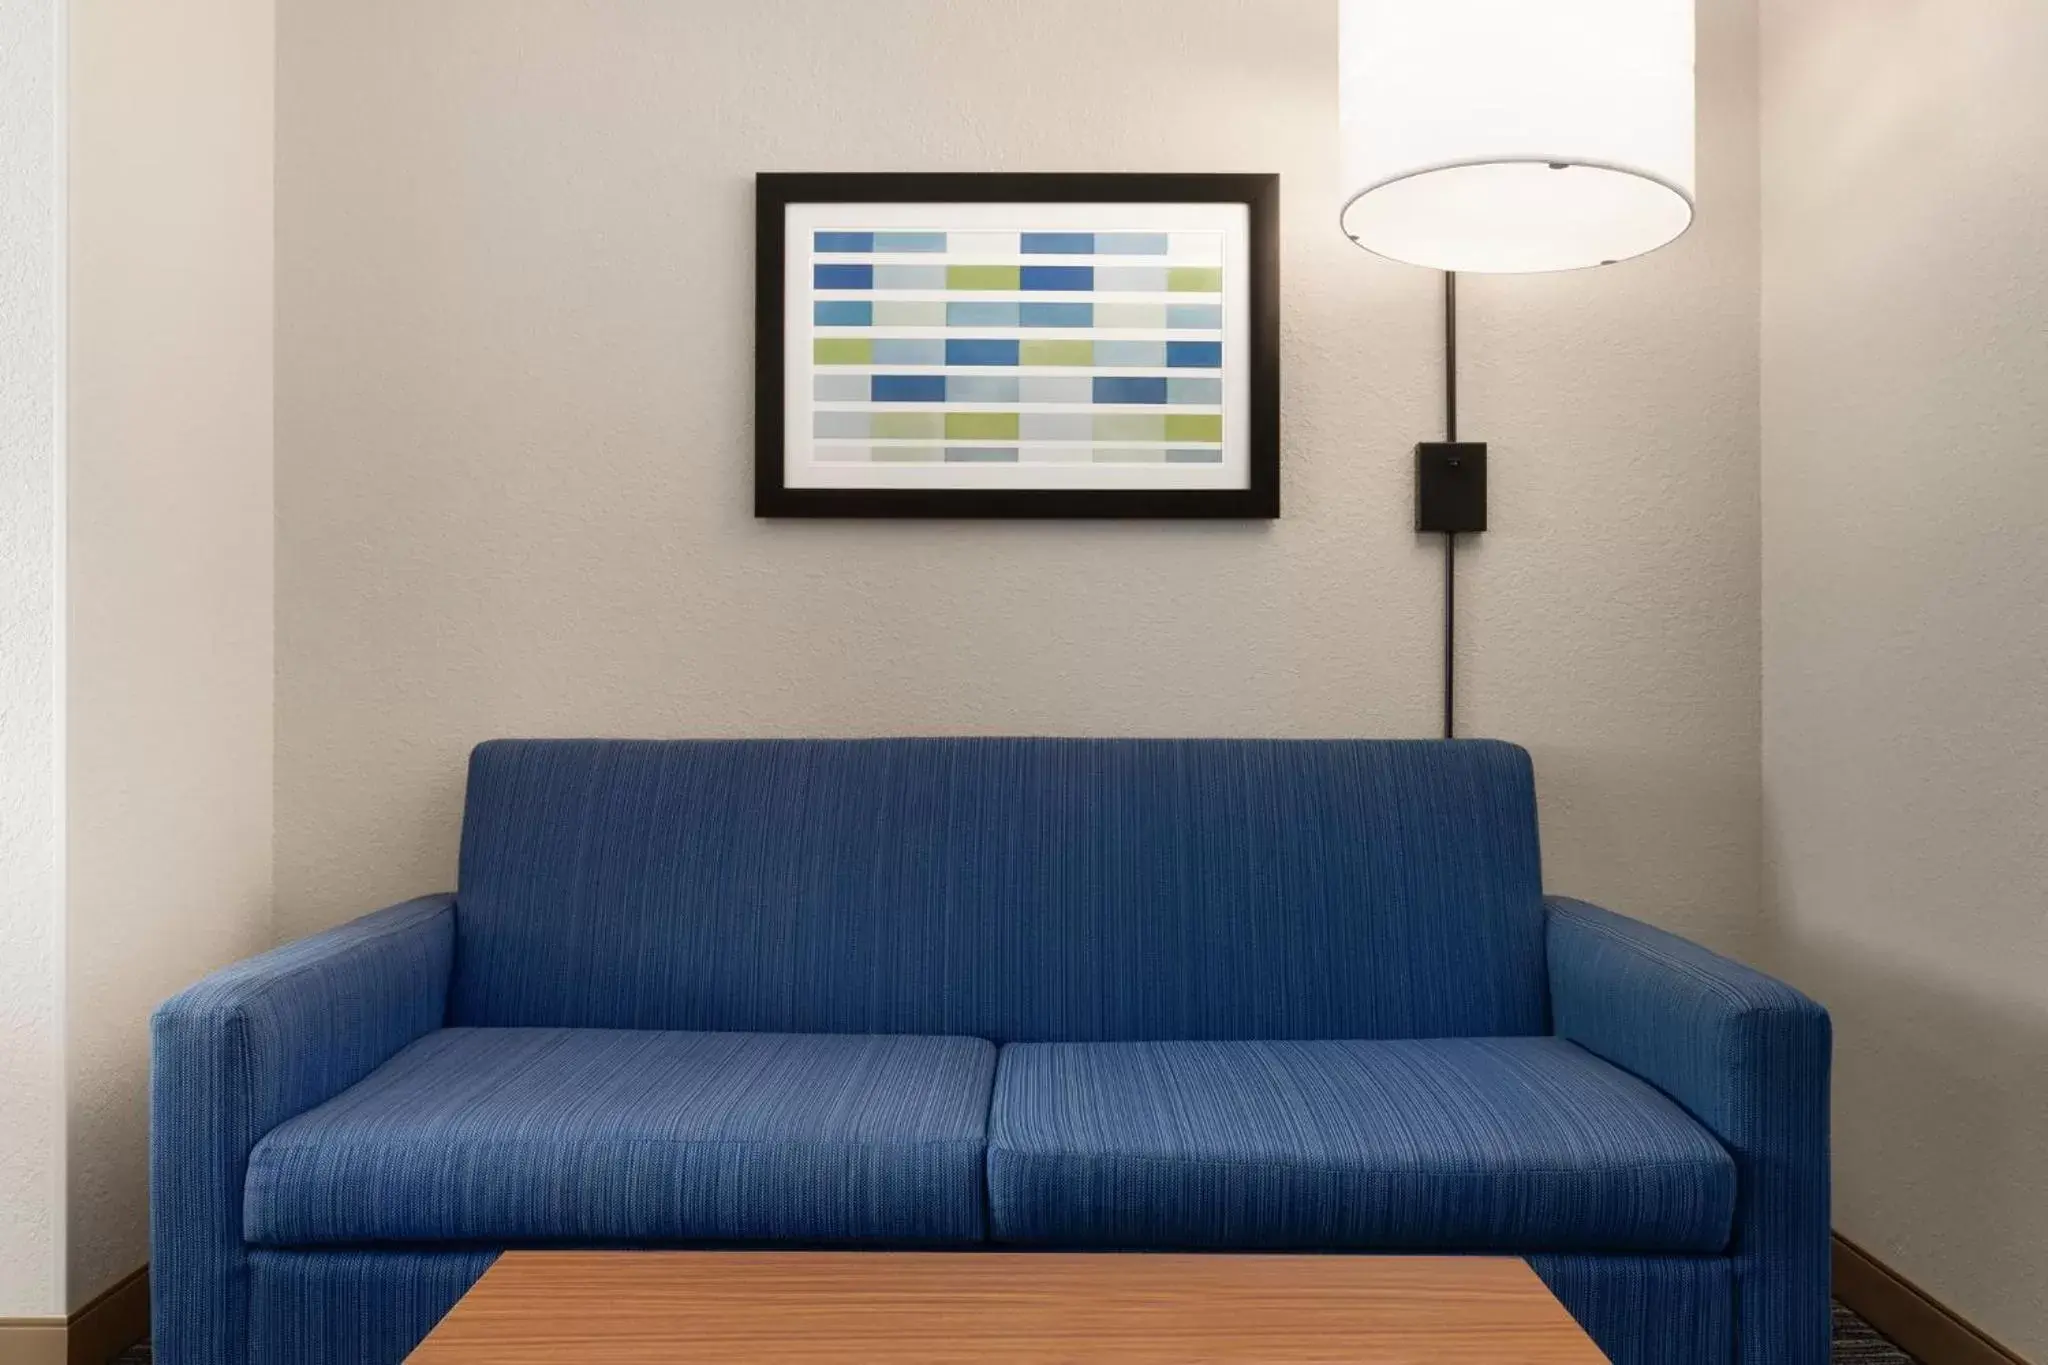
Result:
[[1509, 136]]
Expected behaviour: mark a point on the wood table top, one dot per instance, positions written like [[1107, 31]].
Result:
[[921, 1308]]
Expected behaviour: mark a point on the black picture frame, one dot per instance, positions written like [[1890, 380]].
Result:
[[1260, 193]]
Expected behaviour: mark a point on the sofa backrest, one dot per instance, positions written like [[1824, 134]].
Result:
[[1014, 889]]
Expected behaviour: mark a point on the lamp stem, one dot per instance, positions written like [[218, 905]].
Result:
[[1450, 355], [1450, 537]]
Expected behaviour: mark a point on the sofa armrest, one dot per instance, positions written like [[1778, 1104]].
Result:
[[1748, 1056], [241, 1052]]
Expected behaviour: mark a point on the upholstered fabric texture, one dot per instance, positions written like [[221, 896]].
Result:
[[1748, 1056], [499, 1136], [350, 1307], [1298, 994], [1034, 890], [241, 1052], [1649, 1310], [1511, 1144]]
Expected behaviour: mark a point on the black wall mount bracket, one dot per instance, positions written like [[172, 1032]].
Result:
[[1450, 487]]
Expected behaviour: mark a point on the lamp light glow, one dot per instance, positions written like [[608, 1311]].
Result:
[[1508, 136]]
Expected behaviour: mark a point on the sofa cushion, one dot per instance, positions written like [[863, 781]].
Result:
[[1024, 890], [1501, 1144], [561, 1135]]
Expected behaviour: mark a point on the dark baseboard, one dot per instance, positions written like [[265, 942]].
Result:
[[1923, 1326], [111, 1323]]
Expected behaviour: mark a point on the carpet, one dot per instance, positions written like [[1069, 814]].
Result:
[[1856, 1343]]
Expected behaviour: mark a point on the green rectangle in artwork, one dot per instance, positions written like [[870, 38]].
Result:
[[842, 351], [1194, 426], [908, 426], [1129, 426], [981, 426], [1055, 352], [1195, 279], [906, 454], [982, 276]]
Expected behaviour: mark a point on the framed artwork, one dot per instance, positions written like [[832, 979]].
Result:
[[1017, 346]]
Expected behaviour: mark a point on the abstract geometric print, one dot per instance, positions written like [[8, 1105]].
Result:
[[1017, 347]]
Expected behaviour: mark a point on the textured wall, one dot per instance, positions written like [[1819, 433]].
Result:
[[514, 378], [170, 555], [31, 473], [1906, 617]]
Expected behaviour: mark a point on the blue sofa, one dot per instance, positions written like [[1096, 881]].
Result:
[[959, 993]]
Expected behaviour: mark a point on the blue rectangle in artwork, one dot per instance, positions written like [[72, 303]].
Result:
[[1194, 355], [843, 241], [910, 277], [1057, 244], [908, 388], [1138, 355], [1195, 392], [970, 314], [1111, 389], [963, 351], [842, 277], [1038, 278], [1056, 315], [842, 313], [910, 241], [891, 351], [1194, 316], [1131, 244]]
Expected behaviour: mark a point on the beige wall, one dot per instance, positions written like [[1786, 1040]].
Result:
[[1906, 617], [169, 564], [31, 663], [514, 377], [513, 285]]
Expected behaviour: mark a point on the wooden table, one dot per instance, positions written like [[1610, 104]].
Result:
[[912, 1308]]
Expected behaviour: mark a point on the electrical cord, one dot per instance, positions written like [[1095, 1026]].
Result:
[[1450, 537]]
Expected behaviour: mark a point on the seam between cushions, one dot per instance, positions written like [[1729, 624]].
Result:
[[1283, 1164], [557, 1141]]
